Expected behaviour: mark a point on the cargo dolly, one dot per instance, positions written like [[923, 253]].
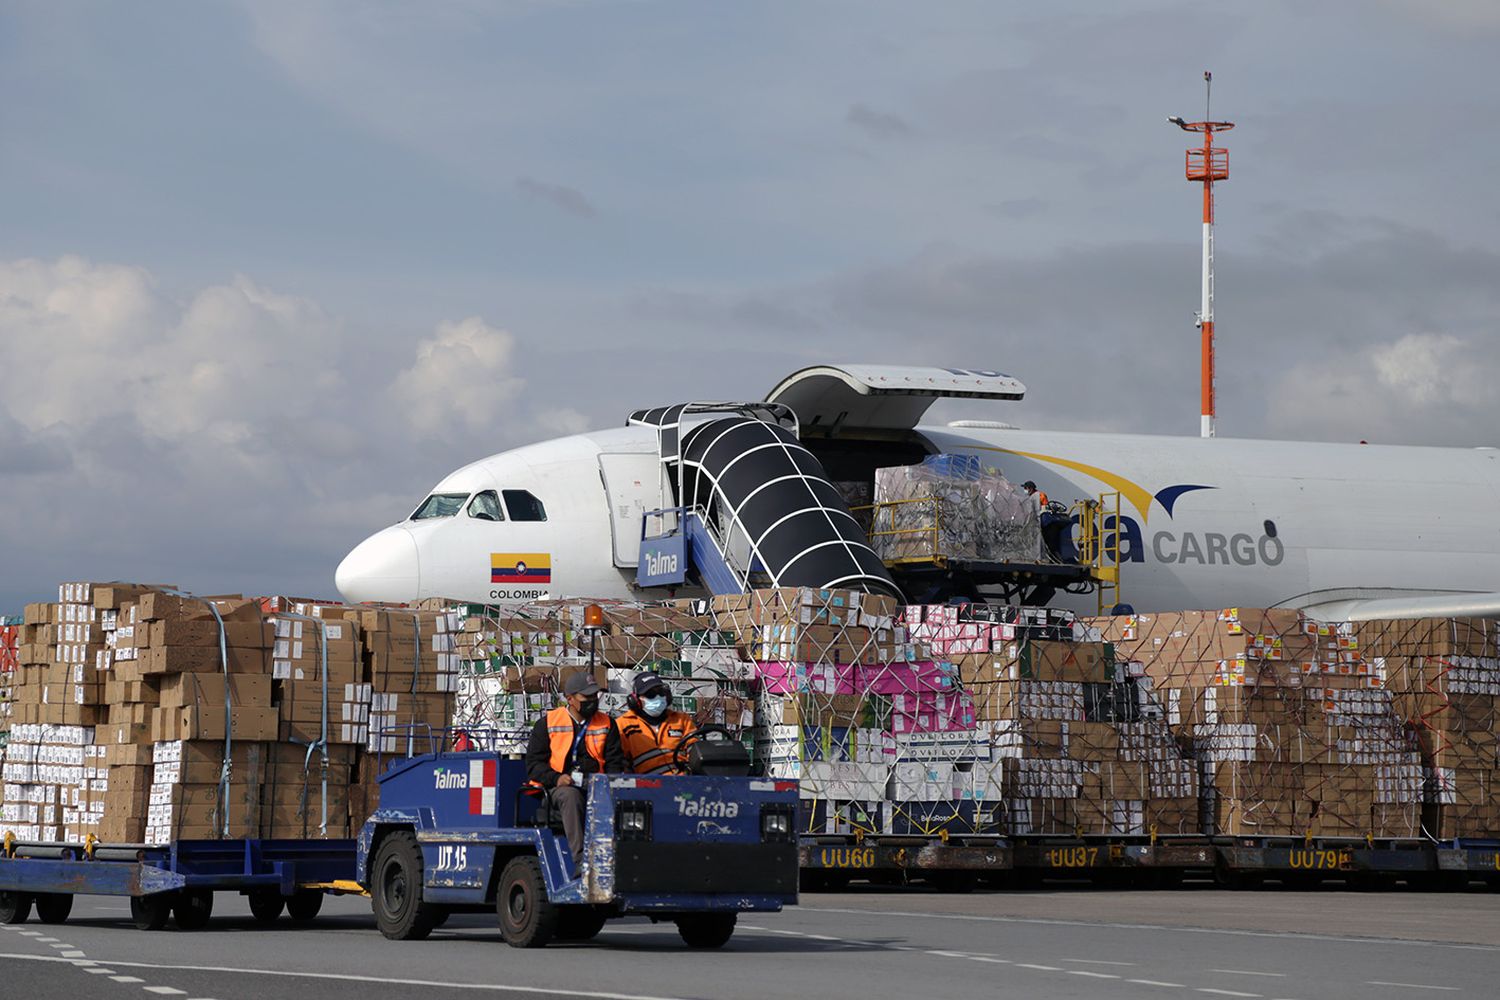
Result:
[[175, 881]]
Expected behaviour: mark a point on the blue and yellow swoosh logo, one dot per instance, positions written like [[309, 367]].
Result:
[[1134, 493]]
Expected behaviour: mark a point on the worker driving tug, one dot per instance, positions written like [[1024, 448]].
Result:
[[651, 730]]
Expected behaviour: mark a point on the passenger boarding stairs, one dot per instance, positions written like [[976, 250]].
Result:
[[755, 507]]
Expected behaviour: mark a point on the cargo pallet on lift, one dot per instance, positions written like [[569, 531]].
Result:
[[178, 878]]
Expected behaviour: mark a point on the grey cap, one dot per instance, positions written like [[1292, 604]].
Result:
[[580, 684]]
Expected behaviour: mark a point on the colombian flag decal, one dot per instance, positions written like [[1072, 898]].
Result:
[[520, 567]]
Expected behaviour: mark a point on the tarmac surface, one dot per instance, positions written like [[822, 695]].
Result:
[[872, 945]]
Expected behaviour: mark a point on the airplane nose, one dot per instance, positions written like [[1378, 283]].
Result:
[[383, 568]]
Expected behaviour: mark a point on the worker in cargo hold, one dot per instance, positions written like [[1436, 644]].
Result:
[[570, 742], [651, 731]]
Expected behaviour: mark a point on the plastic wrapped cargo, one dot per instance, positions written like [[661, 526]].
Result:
[[952, 506]]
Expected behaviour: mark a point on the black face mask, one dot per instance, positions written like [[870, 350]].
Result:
[[588, 708]]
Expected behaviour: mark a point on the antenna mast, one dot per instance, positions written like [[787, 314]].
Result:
[[1205, 165]]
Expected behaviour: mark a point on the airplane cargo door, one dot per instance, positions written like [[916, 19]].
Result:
[[633, 484]]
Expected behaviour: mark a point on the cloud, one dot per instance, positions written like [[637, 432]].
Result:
[[461, 378], [880, 124], [240, 438], [569, 200]]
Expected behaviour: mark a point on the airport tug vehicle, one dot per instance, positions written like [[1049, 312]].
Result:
[[462, 831]]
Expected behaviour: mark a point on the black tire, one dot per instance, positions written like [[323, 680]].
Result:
[[579, 923], [192, 909], [707, 930], [54, 907], [396, 889], [953, 881], [304, 905], [150, 913], [528, 919], [266, 904], [15, 907]]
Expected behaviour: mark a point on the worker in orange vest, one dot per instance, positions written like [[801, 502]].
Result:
[[1039, 496], [651, 730], [571, 741]]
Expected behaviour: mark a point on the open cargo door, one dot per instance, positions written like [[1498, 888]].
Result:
[[633, 484], [827, 398]]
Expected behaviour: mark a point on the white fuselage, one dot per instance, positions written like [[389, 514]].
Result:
[[1276, 521]]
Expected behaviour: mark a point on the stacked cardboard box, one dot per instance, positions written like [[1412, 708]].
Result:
[[1444, 677], [147, 715], [1291, 723]]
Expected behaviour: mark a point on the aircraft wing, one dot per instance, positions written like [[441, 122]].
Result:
[[1422, 605], [886, 397]]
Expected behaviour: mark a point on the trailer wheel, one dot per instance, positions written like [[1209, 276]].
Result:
[[952, 881], [707, 930], [304, 905], [396, 889], [528, 919], [150, 913], [193, 908], [53, 907], [15, 907], [266, 904], [579, 923]]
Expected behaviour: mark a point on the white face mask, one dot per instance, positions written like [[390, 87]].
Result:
[[654, 706]]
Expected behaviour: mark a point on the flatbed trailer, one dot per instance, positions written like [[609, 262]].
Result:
[[956, 863], [174, 881]]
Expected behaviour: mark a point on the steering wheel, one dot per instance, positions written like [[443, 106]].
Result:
[[701, 733]]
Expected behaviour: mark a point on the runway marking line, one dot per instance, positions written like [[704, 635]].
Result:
[[165, 990], [1158, 982], [350, 978], [100, 970], [1247, 972], [1230, 931], [74, 953], [1412, 986], [1044, 968], [1226, 993], [1092, 961], [1091, 974]]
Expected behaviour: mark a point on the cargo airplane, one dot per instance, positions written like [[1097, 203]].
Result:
[[1343, 531]]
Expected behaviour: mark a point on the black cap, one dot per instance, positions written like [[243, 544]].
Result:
[[646, 682], [580, 684], [1028, 485]]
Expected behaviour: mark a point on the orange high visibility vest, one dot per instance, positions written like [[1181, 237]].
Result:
[[1041, 499], [648, 749], [560, 736]]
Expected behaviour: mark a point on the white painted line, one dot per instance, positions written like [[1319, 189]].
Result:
[[60, 946], [1043, 968], [75, 953], [1411, 986], [46, 940], [989, 958], [165, 990], [350, 978], [1226, 993], [1247, 972], [948, 954], [1157, 982], [1092, 961], [100, 969], [31, 933], [1176, 928], [1092, 975]]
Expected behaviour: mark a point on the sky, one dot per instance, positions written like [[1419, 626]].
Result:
[[269, 270]]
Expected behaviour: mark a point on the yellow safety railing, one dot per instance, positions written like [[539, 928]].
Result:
[[931, 530], [1098, 543]]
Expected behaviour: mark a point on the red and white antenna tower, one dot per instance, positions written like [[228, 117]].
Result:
[[1207, 164]]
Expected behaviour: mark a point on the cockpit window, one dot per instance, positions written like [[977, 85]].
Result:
[[523, 506], [440, 505], [486, 507]]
